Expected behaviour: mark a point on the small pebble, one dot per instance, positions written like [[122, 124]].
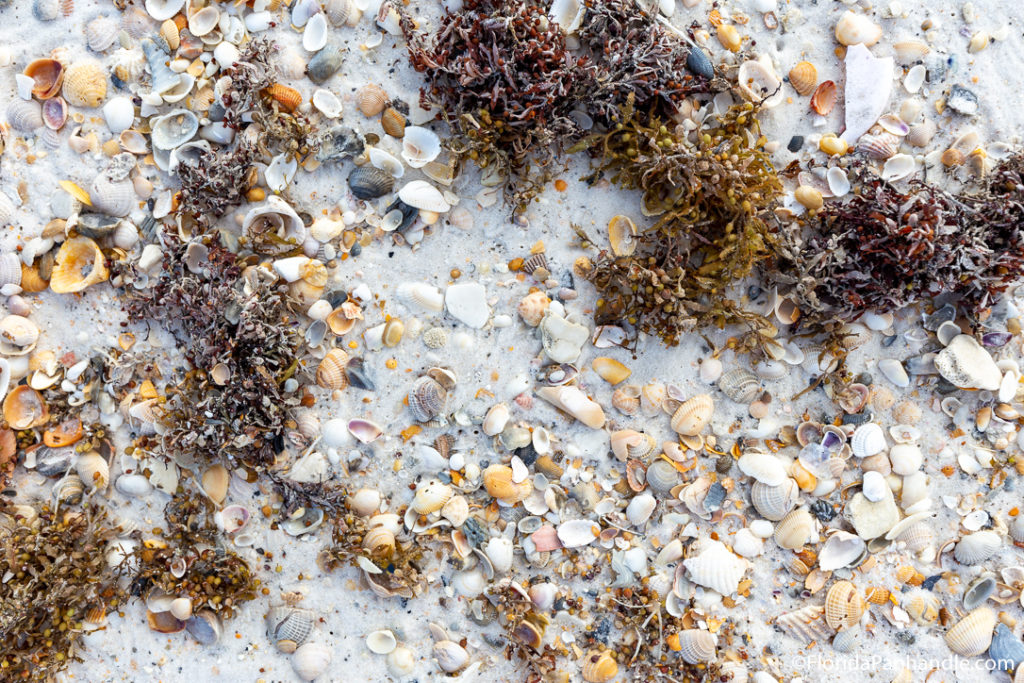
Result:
[[795, 143], [874, 486]]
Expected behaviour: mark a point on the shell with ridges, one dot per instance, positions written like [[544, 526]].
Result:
[[805, 624], [977, 547], [717, 568], [101, 33], [288, 627], [371, 99], [740, 385], [427, 399], [868, 440], [795, 530], [599, 667], [972, 635], [330, 373], [844, 606], [697, 646], [114, 198], [693, 415], [627, 399], [85, 84], [804, 78], [774, 502], [24, 116]]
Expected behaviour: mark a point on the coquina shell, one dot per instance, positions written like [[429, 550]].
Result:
[[717, 568], [693, 415], [868, 440], [972, 635], [977, 547], [844, 606], [697, 646], [85, 84], [795, 530], [774, 502], [311, 660], [740, 385]]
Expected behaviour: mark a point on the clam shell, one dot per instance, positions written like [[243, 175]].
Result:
[[693, 415], [763, 467], [795, 530], [977, 547], [627, 399], [577, 533], [824, 98], [427, 399], [288, 627], [717, 568], [420, 146], [697, 646], [330, 373], [164, 9], [393, 122], [979, 590], [881, 146], [85, 84], [93, 469], [972, 635], [499, 482], [18, 335], [55, 113], [311, 660], [774, 502], [842, 549], [868, 440], [740, 385], [325, 63], [69, 490], [844, 606], [804, 78], [327, 103], [314, 38], [431, 497], [629, 443], [342, 12], [599, 667], [24, 116], [662, 477], [420, 194], [921, 134], [898, 167], [205, 627], [114, 198], [371, 99], [79, 264], [369, 182], [101, 32], [10, 269], [47, 75], [421, 295], [386, 162], [173, 129], [450, 656]]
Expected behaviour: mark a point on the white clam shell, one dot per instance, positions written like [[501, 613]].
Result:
[[717, 568], [568, 14], [114, 198], [381, 642], [328, 104], [450, 656], [314, 38], [977, 547], [868, 440], [499, 552], [763, 467], [838, 182], [133, 485], [640, 508], [202, 22], [420, 194], [173, 129], [280, 172], [119, 113], [967, 364], [311, 660], [386, 162], [496, 419], [420, 146], [840, 550], [163, 9], [697, 646], [898, 167], [577, 533]]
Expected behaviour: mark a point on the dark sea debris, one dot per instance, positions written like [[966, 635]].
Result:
[[57, 587], [219, 315], [218, 181], [712, 197]]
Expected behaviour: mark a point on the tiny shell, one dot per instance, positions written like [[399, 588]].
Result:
[[881, 146], [622, 235], [330, 374], [393, 122], [824, 98], [627, 399], [532, 307], [804, 78], [381, 642], [610, 370], [24, 116], [427, 399]]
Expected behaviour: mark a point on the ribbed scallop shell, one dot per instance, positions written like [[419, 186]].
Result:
[[371, 99], [341, 12], [917, 536], [774, 502], [421, 295], [1017, 529], [288, 627], [794, 530], [599, 667], [93, 469], [740, 385], [627, 399], [330, 373], [114, 198], [804, 78], [717, 568], [881, 146], [101, 32], [10, 269], [843, 606], [427, 399], [24, 116], [370, 182], [629, 443], [973, 634], [697, 646], [805, 624], [867, 440], [662, 477], [393, 122], [977, 547], [693, 415], [922, 133], [85, 84]]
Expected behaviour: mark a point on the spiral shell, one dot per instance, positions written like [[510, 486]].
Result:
[[844, 606], [774, 502], [697, 646], [85, 84], [330, 374], [693, 415], [599, 667], [973, 634], [79, 264], [532, 307], [804, 78]]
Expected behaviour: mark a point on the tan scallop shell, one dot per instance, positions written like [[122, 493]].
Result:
[[693, 415], [25, 408], [379, 542], [843, 606], [824, 98], [973, 634], [599, 667], [804, 78], [627, 399], [499, 484], [79, 264], [371, 99], [85, 84], [393, 122], [774, 502], [794, 530], [330, 374], [697, 646], [805, 624]]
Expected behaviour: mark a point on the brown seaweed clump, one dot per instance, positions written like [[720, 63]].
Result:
[[216, 182], [711, 195], [886, 248], [57, 586], [221, 315]]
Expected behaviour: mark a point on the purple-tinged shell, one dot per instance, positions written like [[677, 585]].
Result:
[[996, 339], [55, 113]]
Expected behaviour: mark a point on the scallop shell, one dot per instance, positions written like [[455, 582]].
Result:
[[977, 547], [421, 295], [868, 440], [288, 627], [844, 606], [379, 542], [740, 385], [824, 98], [717, 568], [330, 373], [427, 399], [371, 99], [972, 635], [48, 76], [693, 415], [795, 530], [342, 12], [922, 133], [93, 469], [805, 624], [288, 97], [393, 122], [431, 497], [25, 408], [662, 477], [599, 667], [79, 264], [697, 646], [804, 78], [114, 198], [420, 146], [881, 146], [101, 33], [24, 116], [774, 502], [627, 399], [311, 660], [369, 182], [85, 84]]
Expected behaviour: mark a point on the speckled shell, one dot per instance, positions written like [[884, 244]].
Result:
[[740, 385], [330, 374], [371, 99], [803, 77], [288, 627], [24, 116], [114, 198], [697, 646], [101, 33], [794, 530], [599, 667], [774, 502], [693, 415], [843, 606], [973, 634], [427, 399], [85, 84], [79, 264], [977, 547], [532, 307]]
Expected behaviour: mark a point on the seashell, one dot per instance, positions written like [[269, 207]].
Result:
[[393, 123], [662, 477], [496, 419], [627, 443], [69, 490], [627, 399], [693, 415], [972, 635], [640, 509], [379, 542], [898, 166], [314, 37], [921, 134], [325, 63], [759, 83], [371, 99], [162, 78], [93, 470], [274, 217], [18, 335], [568, 14], [966, 363], [401, 661], [342, 319], [50, 462], [135, 485], [806, 624], [499, 482], [114, 198], [881, 146], [327, 103], [205, 627], [85, 84], [774, 502], [311, 660], [381, 642], [1006, 650], [427, 399], [853, 28], [763, 467], [842, 549], [170, 34], [697, 646], [574, 402], [55, 113], [824, 98], [289, 98], [740, 385], [599, 667], [101, 33], [795, 530], [917, 536], [978, 591], [330, 373], [47, 10], [365, 431], [977, 547], [288, 627], [610, 370], [163, 9], [804, 78], [174, 129], [386, 162], [342, 12], [843, 606], [717, 568], [431, 497], [450, 656], [369, 182], [868, 440], [24, 116], [421, 295], [420, 194], [420, 146], [79, 264], [215, 482], [532, 307], [47, 75]]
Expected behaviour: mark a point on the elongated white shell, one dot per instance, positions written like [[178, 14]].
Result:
[[314, 38], [575, 402], [717, 568], [420, 194], [421, 295], [577, 533]]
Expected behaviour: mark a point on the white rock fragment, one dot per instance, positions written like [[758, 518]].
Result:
[[563, 340], [872, 519], [467, 303], [868, 86], [906, 458], [965, 363]]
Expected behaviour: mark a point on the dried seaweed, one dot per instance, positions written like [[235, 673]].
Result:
[[216, 182]]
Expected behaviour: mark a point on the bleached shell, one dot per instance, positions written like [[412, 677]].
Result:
[[577, 533], [101, 32], [758, 82], [173, 129], [532, 307], [717, 568], [916, 536], [805, 624], [697, 646], [842, 549], [629, 443], [763, 467], [838, 181], [922, 133], [386, 162], [381, 642], [774, 502], [568, 14], [274, 214], [496, 419], [203, 21], [574, 402], [898, 167], [371, 99], [977, 547], [24, 116], [420, 194], [93, 469], [327, 103], [342, 12], [844, 606], [119, 113], [972, 635], [693, 415], [18, 335], [114, 198], [1016, 528], [85, 84], [421, 295], [163, 9], [456, 510], [450, 656], [10, 269], [311, 660], [420, 146], [881, 146], [314, 38], [740, 385], [640, 508], [795, 530], [979, 590], [867, 440], [853, 28], [906, 458], [662, 477]]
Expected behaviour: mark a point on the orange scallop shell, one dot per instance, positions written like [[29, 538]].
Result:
[[824, 98], [290, 98], [803, 77]]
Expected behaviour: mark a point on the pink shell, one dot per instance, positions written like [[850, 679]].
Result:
[[546, 539], [55, 113]]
